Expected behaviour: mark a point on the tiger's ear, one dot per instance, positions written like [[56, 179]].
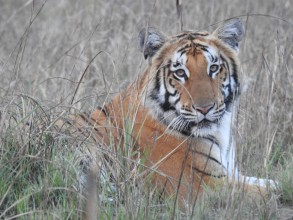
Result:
[[150, 41], [231, 33]]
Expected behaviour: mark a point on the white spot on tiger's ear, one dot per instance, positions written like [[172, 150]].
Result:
[[231, 33]]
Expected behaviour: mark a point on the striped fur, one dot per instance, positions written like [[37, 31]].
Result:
[[180, 111]]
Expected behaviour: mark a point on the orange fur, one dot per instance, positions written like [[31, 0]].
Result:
[[179, 163]]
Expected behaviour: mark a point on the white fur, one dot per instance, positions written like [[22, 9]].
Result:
[[224, 137]]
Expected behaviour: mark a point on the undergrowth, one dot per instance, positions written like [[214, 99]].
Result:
[[48, 46], [44, 175]]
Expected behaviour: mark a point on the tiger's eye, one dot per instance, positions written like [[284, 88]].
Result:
[[214, 68], [180, 72]]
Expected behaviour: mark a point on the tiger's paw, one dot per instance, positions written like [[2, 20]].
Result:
[[265, 183], [263, 187]]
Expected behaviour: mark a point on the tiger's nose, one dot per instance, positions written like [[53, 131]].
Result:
[[204, 109]]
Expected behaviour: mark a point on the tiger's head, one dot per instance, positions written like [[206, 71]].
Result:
[[191, 80]]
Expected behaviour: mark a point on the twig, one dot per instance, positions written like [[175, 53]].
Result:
[[179, 13]]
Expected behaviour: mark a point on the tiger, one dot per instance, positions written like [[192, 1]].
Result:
[[180, 111]]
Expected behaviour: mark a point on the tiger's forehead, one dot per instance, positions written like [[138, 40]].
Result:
[[195, 45], [190, 35], [193, 42]]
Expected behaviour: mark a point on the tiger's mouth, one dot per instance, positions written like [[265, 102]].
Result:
[[188, 127], [189, 124], [204, 123], [202, 120]]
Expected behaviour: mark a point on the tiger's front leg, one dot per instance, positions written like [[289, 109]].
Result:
[[258, 185], [249, 183]]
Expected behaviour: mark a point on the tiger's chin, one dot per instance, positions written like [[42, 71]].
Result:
[[206, 131], [204, 128]]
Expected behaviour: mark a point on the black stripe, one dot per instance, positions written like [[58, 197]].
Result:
[[87, 120], [213, 58], [234, 72], [212, 139], [182, 53], [225, 62], [208, 156], [176, 64], [190, 36], [182, 35], [173, 85], [104, 110], [177, 100], [183, 49], [166, 105], [228, 99], [199, 34], [175, 92], [208, 174], [82, 116], [185, 132], [156, 90], [187, 114], [203, 47]]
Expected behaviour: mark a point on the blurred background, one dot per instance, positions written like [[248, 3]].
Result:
[[48, 47]]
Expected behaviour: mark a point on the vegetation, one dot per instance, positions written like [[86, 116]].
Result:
[[60, 56]]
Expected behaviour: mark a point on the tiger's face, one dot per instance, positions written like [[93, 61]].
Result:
[[193, 82]]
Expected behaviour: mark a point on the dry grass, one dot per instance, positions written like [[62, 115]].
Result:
[[45, 48]]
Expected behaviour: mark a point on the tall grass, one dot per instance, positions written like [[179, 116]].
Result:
[[46, 49]]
